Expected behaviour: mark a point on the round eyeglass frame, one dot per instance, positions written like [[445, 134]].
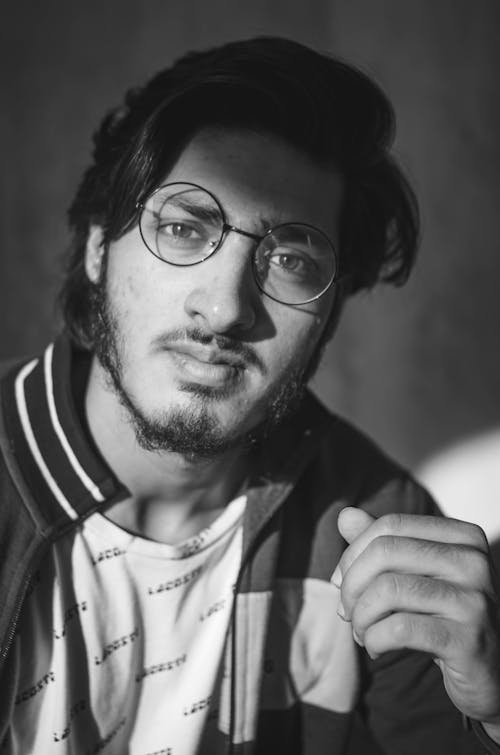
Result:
[[226, 227]]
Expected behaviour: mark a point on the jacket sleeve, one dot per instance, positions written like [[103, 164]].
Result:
[[407, 710]]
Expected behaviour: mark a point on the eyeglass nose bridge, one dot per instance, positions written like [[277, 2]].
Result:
[[226, 228]]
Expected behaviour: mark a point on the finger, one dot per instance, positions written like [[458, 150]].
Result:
[[461, 565], [440, 637], [468, 659], [395, 593], [353, 522], [415, 526]]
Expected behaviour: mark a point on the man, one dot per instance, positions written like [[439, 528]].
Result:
[[174, 580]]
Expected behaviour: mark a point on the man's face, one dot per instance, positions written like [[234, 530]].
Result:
[[198, 355]]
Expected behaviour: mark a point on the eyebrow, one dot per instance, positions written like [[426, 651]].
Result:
[[200, 212], [213, 215]]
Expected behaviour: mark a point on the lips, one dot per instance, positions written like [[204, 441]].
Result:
[[205, 365], [207, 355]]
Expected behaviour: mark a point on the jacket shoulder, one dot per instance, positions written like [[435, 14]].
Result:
[[345, 468], [9, 363], [351, 467]]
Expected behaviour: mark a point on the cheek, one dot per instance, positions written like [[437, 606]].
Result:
[[313, 338], [297, 337], [303, 330], [133, 290]]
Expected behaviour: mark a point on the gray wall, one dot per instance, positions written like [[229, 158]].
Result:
[[417, 367]]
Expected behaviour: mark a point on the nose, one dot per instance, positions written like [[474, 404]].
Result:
[[224, 296]]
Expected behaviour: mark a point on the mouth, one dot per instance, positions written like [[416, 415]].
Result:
[[206, 365]]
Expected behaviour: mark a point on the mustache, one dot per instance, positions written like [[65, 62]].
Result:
[[225, 344]]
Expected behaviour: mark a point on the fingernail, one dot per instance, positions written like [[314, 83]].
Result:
[[341, 611], [336, 577], [357, 638]]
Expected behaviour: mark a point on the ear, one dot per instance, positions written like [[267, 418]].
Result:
[[94, 253]]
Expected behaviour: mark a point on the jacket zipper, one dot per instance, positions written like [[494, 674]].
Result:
[[9, 637], [43, 546], [18, 608]]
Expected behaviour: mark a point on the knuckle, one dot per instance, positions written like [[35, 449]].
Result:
[[444, 591], [438, 636], [478, 537], [479, 609], [407, 630], [387, 585], [401, 628], [474, 639], [384, 546], [392, 522], [478, 566], [428, 589]]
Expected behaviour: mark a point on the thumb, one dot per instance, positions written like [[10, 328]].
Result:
[[352, 522]]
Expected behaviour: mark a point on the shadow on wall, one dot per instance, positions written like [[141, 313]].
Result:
[[465, 481]]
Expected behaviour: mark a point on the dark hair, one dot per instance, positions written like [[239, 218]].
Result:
[[322, 106]]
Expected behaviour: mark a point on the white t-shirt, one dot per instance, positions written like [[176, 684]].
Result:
[[121, 640]]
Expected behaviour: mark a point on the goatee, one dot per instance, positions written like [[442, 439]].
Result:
[[193, 432]]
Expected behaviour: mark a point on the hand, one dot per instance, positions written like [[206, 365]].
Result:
[[425, 583]]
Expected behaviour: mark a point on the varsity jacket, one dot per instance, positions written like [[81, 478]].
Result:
[[293, 680]]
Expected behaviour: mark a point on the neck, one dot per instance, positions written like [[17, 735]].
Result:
[[172, 496]]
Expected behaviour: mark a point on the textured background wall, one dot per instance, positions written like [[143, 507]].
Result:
[[417, 367]]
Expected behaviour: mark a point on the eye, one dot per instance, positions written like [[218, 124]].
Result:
[[287, 261], [293, 262], [179, 231]]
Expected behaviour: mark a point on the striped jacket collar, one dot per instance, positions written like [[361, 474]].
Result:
[[64, 472]]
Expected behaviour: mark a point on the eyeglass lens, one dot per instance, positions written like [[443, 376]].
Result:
[[183, 225]]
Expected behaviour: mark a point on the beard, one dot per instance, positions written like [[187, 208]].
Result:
[[193, 432]]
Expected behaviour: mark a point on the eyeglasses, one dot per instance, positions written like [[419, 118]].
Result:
[[183, 224]]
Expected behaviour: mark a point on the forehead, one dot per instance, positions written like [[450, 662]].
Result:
[[261, 179]]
